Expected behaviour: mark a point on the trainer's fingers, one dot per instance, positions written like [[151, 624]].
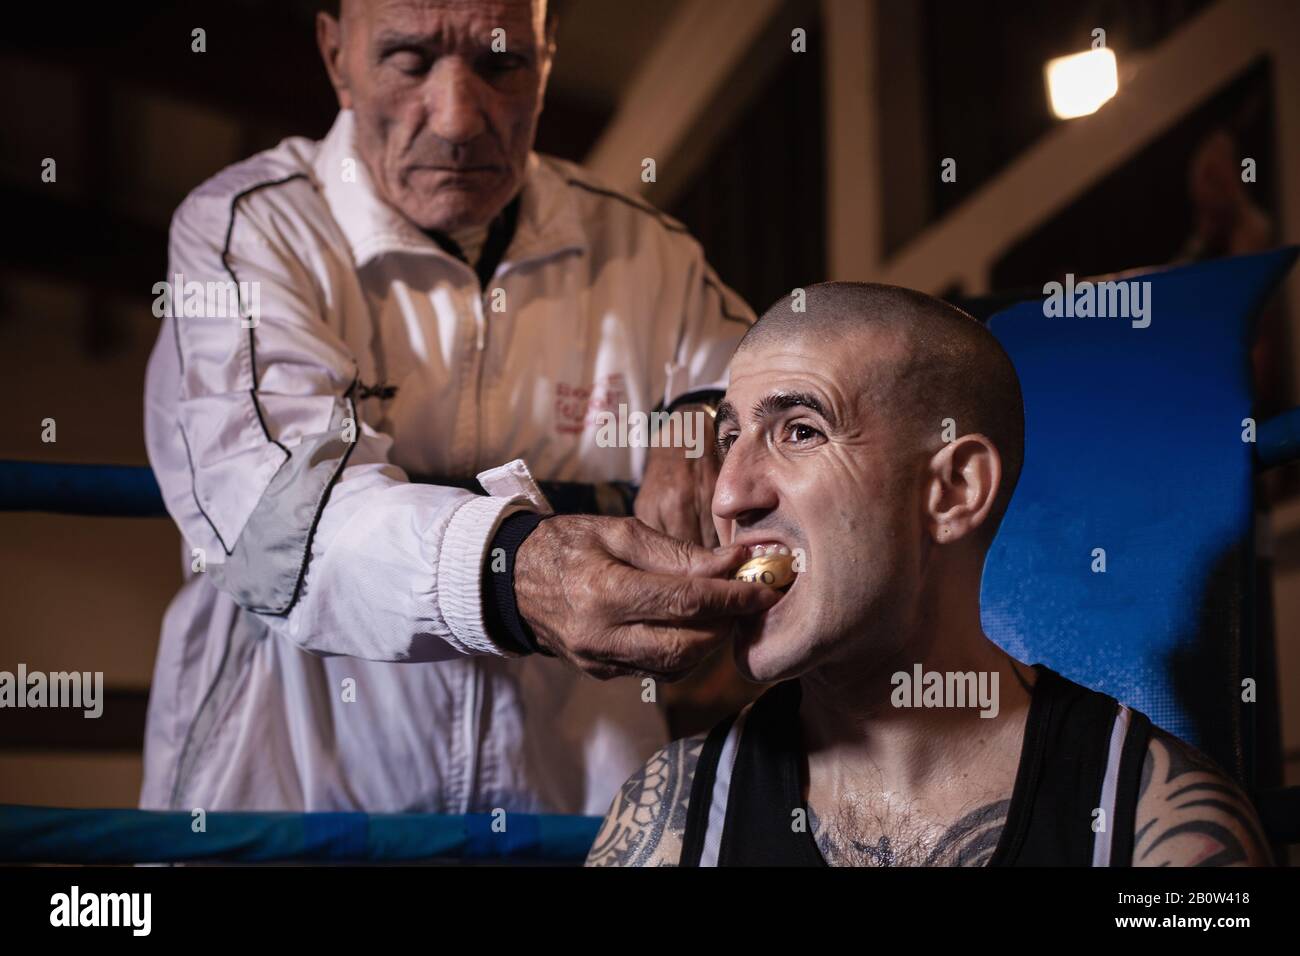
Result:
[[665, 652], [711, 562], [647, 596], [643, 650], [640, 546]]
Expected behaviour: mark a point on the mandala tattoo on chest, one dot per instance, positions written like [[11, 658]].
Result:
[[970, 841]]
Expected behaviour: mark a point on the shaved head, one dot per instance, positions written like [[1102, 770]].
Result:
[[942, 364]]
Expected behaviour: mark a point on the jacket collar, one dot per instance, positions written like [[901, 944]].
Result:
[[548, 216]]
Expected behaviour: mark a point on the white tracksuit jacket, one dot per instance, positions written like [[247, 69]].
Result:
[[331, 654]]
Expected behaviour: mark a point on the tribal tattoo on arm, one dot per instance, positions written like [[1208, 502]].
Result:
[[1191, 813], [646, 822]]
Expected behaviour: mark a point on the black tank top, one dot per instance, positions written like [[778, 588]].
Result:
[[1082, 751]]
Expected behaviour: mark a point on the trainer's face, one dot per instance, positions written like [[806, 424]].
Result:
[[446, 94], [810, 462]]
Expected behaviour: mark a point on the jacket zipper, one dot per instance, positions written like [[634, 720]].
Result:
[[474, 690], [473, 703], [480, 349]]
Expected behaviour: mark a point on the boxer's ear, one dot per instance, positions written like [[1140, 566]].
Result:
[[329, 40], [963, 480]]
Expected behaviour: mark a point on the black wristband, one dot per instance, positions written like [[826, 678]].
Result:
[[500, 610]]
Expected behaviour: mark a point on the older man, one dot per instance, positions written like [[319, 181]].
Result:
[[424, 297], [897, 732]]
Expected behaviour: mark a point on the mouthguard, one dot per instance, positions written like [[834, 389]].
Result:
[[774, 570]]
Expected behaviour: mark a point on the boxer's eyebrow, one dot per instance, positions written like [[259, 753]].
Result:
[[784, 401], [774, 404]]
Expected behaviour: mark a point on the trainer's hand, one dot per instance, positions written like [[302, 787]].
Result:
[[615, 597], [676, 494]]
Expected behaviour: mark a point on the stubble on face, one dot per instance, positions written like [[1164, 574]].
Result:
[[850, 498]]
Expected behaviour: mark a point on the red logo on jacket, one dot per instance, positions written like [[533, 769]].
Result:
[[577, 406]]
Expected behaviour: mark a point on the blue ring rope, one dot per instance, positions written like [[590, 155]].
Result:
[[109, 490], [57, 835]]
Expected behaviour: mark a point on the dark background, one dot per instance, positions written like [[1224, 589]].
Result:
[[136, 120]]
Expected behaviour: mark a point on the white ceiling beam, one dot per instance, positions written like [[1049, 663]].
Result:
[[677, 81]]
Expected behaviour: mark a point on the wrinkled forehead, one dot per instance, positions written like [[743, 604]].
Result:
[[526, 18], [856, 365]]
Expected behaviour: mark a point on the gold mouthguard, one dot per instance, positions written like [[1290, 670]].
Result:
[[774, 570]]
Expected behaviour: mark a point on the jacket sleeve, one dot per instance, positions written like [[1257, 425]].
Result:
[[254, 435], [713, 320]]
